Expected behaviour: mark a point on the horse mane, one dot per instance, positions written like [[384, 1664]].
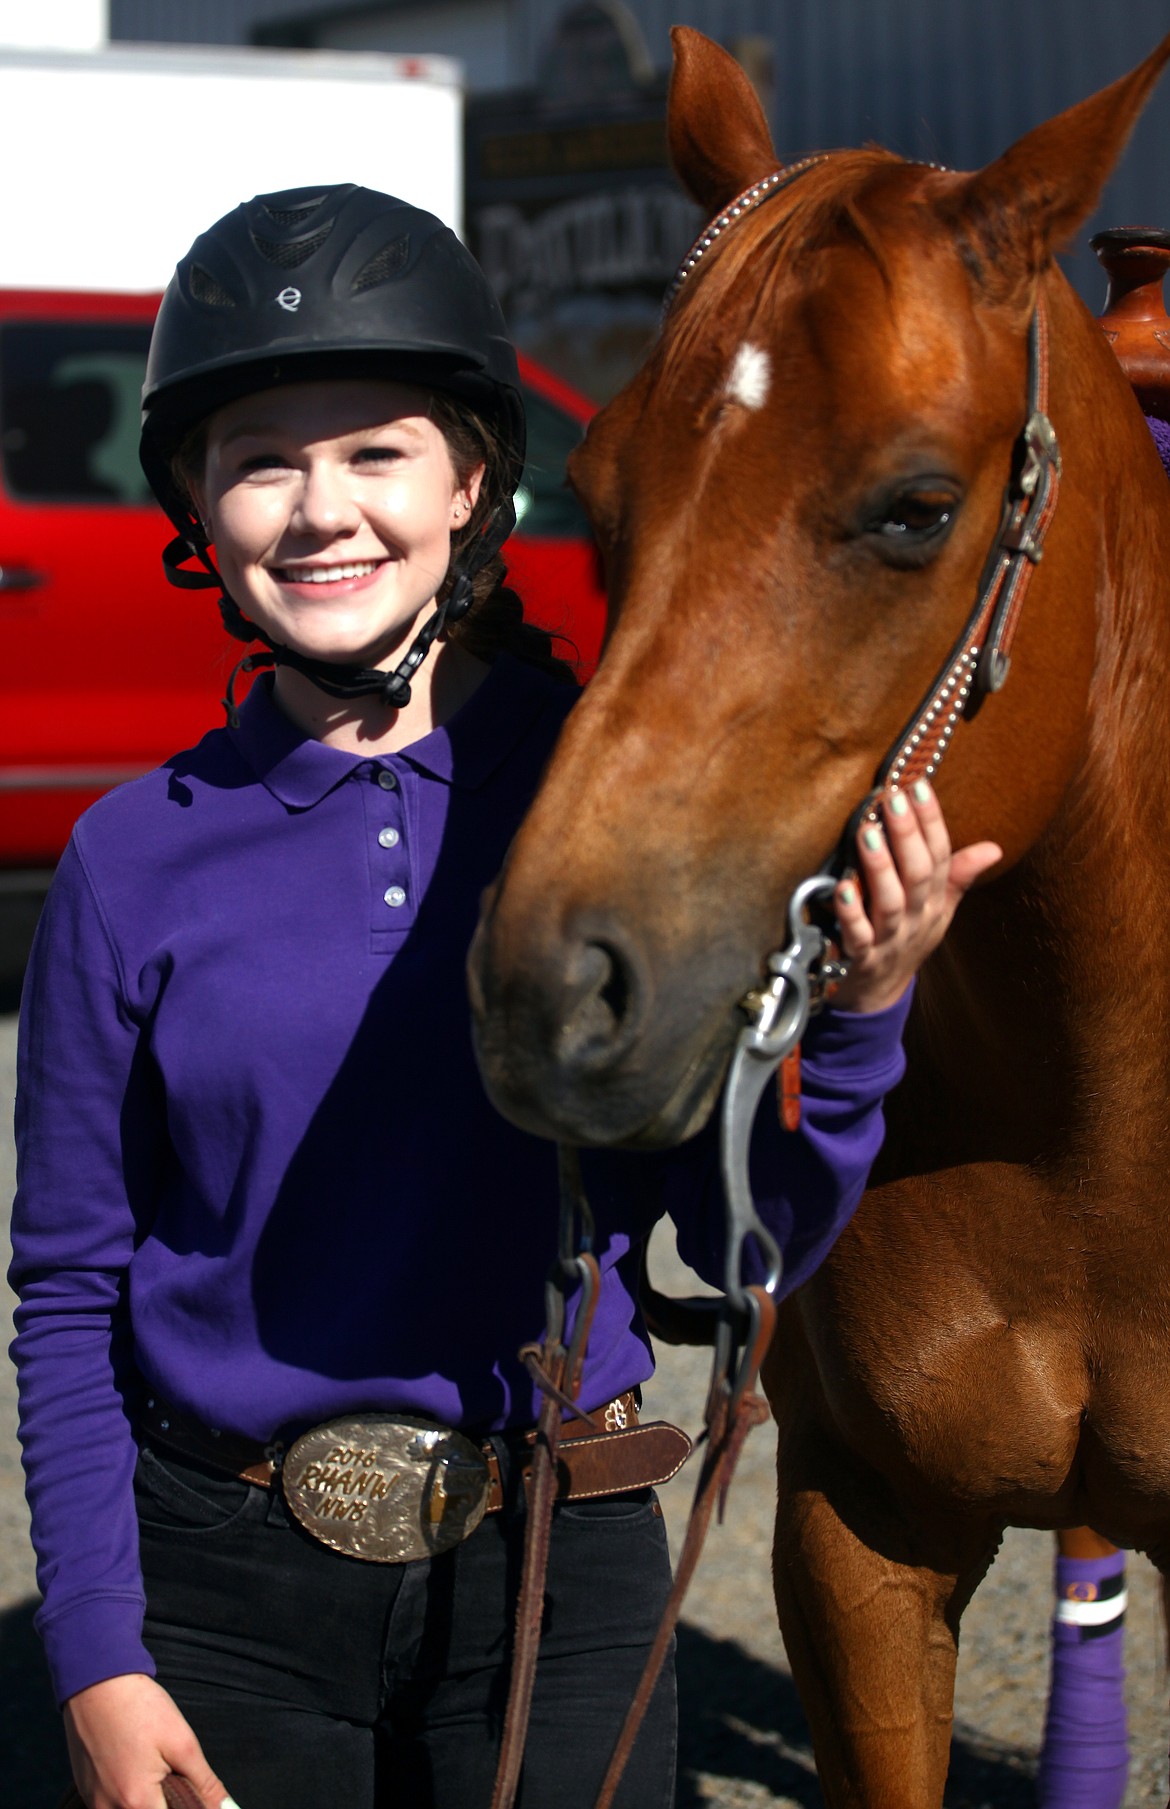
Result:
[[1127, 715], [825, 207]]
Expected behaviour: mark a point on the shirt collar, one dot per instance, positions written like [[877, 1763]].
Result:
[[466, 751], [300, 771]]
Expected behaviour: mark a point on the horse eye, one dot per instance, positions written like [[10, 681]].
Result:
[[916, 515]]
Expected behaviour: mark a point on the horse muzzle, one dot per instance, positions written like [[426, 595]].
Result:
[[577, 1039]]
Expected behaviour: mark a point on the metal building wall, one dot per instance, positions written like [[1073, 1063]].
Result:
[[201, 21], [949, 81], [953, 81]]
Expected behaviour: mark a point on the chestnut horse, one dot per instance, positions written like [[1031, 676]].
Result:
[[795, 498]]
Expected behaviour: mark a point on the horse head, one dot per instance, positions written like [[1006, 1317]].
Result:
[[795, 499]]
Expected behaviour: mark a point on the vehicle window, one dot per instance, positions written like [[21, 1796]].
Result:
[[544, 502], [69, 411], [69, 420]]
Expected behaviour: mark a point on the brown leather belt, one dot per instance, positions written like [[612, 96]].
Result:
[[624, 1457]]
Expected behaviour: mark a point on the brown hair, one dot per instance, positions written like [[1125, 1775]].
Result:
[[495, 622]]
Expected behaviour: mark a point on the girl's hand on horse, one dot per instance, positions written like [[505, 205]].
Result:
[[912, 887], [125, 1736]]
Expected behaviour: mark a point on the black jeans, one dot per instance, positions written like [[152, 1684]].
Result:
[[311, 1678]]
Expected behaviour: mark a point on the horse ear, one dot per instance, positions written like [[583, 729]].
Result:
[[719, 138], [1014, 214]]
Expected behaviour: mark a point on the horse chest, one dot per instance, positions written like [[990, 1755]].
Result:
[[969, 1373]]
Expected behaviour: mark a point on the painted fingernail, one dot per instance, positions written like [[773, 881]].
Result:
[[921, 791], [872, 839], [898, 803], [229, 1802], [847, 895]]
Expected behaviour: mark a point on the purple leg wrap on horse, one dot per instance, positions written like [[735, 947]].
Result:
[[1161, 433], [1084, 1759]]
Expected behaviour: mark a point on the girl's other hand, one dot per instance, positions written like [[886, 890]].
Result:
[[914, 884], [124, 1736]]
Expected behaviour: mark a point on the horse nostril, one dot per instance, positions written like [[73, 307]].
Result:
[[603, 1018], [615, 993]]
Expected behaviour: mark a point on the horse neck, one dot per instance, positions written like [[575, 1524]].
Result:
[[1106, 843], [1048, 1010]]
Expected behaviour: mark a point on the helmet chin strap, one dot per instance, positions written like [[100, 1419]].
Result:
[[393, 688], [338, 680]]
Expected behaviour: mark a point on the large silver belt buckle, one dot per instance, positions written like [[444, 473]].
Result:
[[386, 1489]]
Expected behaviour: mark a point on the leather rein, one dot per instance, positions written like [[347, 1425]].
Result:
[[740, 1324]]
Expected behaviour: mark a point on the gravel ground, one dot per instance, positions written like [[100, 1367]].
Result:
[[744, 1743]]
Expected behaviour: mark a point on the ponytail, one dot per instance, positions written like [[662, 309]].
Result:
[[495, 622]]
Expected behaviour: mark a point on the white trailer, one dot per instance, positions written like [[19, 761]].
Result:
[[116, 158]]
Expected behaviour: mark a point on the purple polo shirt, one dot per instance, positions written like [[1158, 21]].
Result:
[[257, 1170]]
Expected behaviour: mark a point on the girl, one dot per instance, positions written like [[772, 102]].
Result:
[[262, 1196]]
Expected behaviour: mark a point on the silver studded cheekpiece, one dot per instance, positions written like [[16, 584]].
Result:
[[743, 204], [978, 663], [919, 753]]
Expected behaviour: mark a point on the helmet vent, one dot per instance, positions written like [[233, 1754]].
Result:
[[384, 265], [292, 216], [205, 289], [289, 256]]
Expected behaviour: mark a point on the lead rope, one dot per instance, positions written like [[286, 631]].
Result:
[[555, 1366], [178, 1793], [745, 1319], [733, 1408], [742, 1329]]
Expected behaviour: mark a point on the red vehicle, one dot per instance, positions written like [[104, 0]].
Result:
[[105, 668]]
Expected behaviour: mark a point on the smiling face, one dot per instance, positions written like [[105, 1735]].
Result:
[[331, 507]]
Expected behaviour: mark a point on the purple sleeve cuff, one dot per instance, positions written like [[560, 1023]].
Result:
[[849, 1062], [806, 1184], [855, 1045], [94, 1639]]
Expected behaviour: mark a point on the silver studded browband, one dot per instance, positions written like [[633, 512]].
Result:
[[743, 204]]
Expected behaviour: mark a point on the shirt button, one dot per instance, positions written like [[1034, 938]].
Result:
[[394, 895], [387, 838], [386, 779]]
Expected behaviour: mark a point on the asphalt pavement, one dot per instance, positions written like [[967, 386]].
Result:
[[744, 1743]]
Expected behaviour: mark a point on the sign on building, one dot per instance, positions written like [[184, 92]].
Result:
[[571, 206]]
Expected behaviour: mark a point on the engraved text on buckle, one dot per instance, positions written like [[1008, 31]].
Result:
[[386, 1489]]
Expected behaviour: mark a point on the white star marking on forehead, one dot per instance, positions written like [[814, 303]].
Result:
[[750, 376]]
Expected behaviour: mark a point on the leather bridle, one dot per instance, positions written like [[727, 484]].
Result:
[[977, 664], [740, 1325], [980, 658]]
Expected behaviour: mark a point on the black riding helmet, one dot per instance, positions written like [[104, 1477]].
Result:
[[319, 283]]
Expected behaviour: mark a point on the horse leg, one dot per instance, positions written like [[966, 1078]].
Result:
[[869, 1603], [1084, 1755]]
